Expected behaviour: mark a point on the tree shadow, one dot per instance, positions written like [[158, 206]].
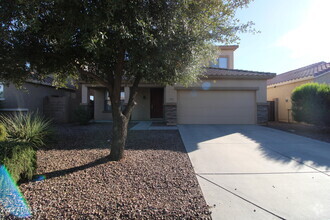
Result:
[[276, 145], [58, 173], [98, 137], [273, 144]]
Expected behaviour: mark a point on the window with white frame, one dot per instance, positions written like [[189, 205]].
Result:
[[107, 102], [2, 88]]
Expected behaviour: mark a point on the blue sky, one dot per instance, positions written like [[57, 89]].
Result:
[[294, 33]]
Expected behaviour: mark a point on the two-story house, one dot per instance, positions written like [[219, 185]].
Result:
[[223, 95]]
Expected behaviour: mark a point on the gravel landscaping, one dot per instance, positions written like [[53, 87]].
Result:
[[154, 181]]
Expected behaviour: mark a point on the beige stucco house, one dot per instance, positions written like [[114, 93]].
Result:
[[279, 89], [224, 95]]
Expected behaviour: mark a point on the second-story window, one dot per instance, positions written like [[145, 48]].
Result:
[[221, 62]]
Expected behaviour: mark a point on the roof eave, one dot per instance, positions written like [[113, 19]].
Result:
[[260, 77], [291, 81]]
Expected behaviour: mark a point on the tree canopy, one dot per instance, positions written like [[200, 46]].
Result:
[[163, 41], [114, 41]]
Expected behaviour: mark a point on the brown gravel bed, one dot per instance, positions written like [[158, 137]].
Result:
[[311, 131], [154, 181]]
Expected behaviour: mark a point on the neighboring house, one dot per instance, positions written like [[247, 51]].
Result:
[[279, 89], [222, 96], [42, 97]]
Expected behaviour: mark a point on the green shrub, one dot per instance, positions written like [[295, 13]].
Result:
[[3, 133], [311, 104], [82, 115], [30, 128], [19, 159]]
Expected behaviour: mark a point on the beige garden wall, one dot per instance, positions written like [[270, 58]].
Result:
[[32, 96]]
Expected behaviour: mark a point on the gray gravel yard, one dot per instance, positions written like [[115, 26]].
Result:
[[154, 181]]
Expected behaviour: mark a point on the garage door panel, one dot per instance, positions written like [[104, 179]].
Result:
[[216, 107]]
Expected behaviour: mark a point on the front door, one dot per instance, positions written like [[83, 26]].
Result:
[[156, 102]]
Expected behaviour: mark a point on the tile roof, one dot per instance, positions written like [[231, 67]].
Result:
[[312, 70], [235, 73], [228, 47], [48, 81]]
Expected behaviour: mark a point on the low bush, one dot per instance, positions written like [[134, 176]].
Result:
[[23, 134], [82, 115], [30, 128], [311, 104], [19, 159]]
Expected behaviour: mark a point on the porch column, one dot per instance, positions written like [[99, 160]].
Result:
[[170, 105], [84, 95], [126, 90]]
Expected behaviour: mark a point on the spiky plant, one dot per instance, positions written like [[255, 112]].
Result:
[[3, 132], [30, 128]]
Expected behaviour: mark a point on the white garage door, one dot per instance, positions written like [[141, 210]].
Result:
[[216, 107]]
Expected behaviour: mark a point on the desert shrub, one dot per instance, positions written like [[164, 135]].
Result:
[[19, 159], [82, 115], [311, 103], [3, 133], [30, 128]]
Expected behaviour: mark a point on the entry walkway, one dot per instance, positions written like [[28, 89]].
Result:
[[147, 125]]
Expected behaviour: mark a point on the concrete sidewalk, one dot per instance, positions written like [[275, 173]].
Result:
[[253, 172], [147, 125]]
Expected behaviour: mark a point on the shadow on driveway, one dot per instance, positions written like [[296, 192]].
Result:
[[272, 144]]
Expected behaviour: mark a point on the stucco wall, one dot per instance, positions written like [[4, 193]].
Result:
[[99, 113], [283, 92], [142, 109], [31, 97]]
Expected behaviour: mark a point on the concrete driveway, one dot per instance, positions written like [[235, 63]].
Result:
[[254, 172]]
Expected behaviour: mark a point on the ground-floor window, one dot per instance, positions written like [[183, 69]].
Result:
[[2, 88], [107, 102]]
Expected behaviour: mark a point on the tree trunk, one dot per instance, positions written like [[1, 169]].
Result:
[[119, 135]]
